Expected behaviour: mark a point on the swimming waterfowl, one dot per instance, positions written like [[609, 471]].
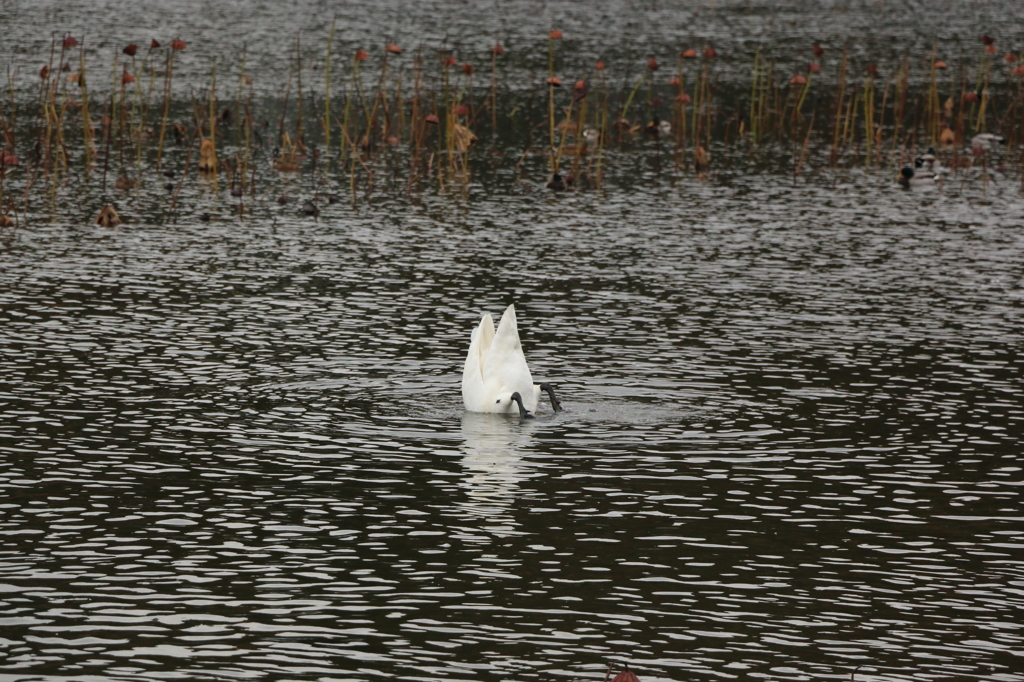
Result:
[[557, 183], [496, 377], [911, 178], [929, 163], [985, 142], [658, 128]]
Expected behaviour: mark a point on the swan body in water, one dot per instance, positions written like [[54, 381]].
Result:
[[496, 377]]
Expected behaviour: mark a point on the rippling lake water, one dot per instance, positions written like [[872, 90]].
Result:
[[791, 447]]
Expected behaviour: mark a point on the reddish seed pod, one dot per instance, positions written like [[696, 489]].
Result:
[[939, 64], [130, 50], [988, 40], [467, 69], [554, 82], [393, 49], [70, 42], [683, 98], [709, 52], [432, 118], [178, 44], [154, 43], [798, 79], [814, 67], [461, 110], [599, 66], [689, 54], [127, 78], [555, 35], [1010, 58], [971, 97], [498, 49], [451, 61], [44, 72], [652, 64], [361, 55], [1018, 70], [675, 82], [872, 70], [819, 51]]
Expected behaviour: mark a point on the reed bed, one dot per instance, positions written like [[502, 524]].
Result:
[[409, 119]]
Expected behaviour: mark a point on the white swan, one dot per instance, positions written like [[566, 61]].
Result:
[[496, 377]]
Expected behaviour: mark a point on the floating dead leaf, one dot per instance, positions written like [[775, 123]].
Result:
[[207, 156], [947, 138], [108, 217], [463, 137], [288, 161], [700, 164]]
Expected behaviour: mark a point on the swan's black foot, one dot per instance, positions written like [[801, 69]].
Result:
[[556, 404], [523, 412]]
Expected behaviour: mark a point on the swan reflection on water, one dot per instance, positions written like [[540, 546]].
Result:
[[492, 454]]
